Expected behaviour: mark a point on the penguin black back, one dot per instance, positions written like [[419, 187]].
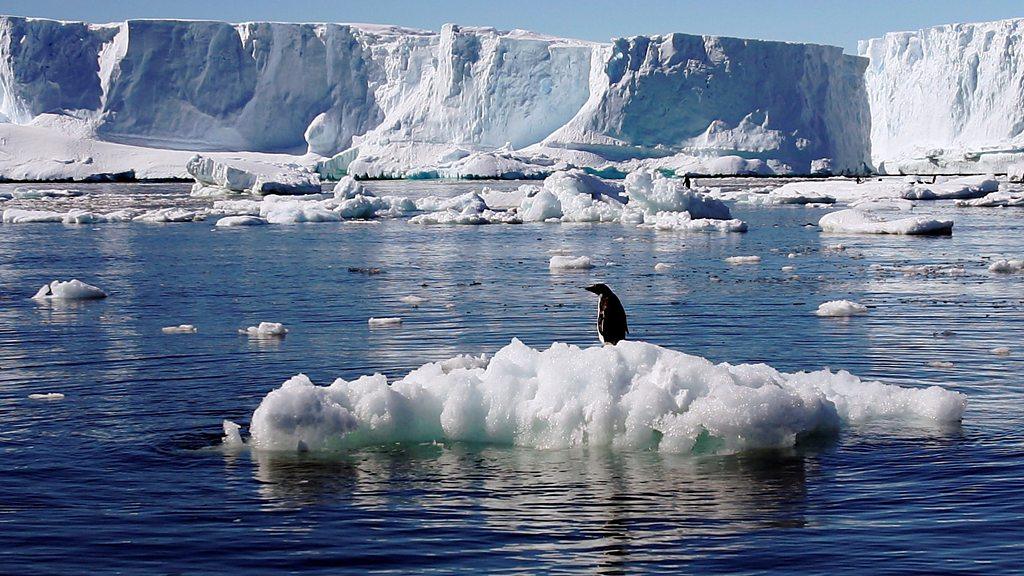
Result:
[[611, 316]]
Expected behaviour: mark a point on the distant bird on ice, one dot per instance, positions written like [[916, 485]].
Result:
[[611, 317]]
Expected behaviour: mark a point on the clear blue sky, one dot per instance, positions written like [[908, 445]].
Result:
[[836, 22]]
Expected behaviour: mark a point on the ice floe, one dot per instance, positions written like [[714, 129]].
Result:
[[633, 395], [46, 396], [840, 308], [180, 329], [384, 322], [736, 260], [233, 221], [265, 330], [71, 290], [1006, 266], [251, 176], [570, 263], [856, 221]]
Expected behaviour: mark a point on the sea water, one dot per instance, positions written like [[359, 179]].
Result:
[[125, 472]]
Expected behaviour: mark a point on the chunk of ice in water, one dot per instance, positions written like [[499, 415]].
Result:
[[384, 322], [841, 308], [180, 329], [265, 330], [71, 290], [570, 263], [47, 396], [743, 260], [413, 300]]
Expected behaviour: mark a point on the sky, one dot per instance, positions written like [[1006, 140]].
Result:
[[836, 22]]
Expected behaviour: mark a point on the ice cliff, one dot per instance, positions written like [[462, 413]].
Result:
[[948, 99], [390, 101]]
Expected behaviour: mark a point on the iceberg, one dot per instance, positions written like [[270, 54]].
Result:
[[631, 396], [948, 99], [138, 98]]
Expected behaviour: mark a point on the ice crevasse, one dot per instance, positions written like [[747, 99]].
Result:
[[633, 395]]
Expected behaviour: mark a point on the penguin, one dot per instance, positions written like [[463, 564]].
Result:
[[611, 317]]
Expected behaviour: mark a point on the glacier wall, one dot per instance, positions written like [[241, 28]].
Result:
[[390, 101], [705, 95], [948, 99]]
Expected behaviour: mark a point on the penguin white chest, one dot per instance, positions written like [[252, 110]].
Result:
[[600, 336]]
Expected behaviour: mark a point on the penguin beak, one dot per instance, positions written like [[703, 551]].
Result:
[[591, 289]]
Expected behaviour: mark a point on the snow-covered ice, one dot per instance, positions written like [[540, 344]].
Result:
[[570, 263], [735, 260], [384, 322], [630, 396], [46, 396], [841, 308], [1007, 266], [234, 221], [856, 221], [265, 330], [70, 290]]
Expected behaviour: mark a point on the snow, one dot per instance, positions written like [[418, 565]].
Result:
[[736, 260], [946, 99], [682, 222], [180, 329], [265, 330], [1006, 266], [633, 396], [570, 263], [71, 290], [856, 221], [841, 308], [384, 322]]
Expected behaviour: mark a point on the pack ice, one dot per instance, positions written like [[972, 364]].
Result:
[[631, 396]]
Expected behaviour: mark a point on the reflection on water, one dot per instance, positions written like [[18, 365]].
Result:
[[118, 476]]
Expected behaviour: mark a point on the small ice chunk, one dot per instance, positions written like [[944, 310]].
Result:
[[940, 364], [71, 290], [232, 221], [265, 330], [413, 300], [348, 188], [1006, 266], [734, 260], [841, 308], [232, 436], [788, 268], [1001, 351], [46, 396], [570, 263], [662, 267], [383, 322], [180, 329]]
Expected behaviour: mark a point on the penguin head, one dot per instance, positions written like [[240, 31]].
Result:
[[599, 289]]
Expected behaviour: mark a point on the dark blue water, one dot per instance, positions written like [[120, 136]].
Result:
[[122, 475]]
